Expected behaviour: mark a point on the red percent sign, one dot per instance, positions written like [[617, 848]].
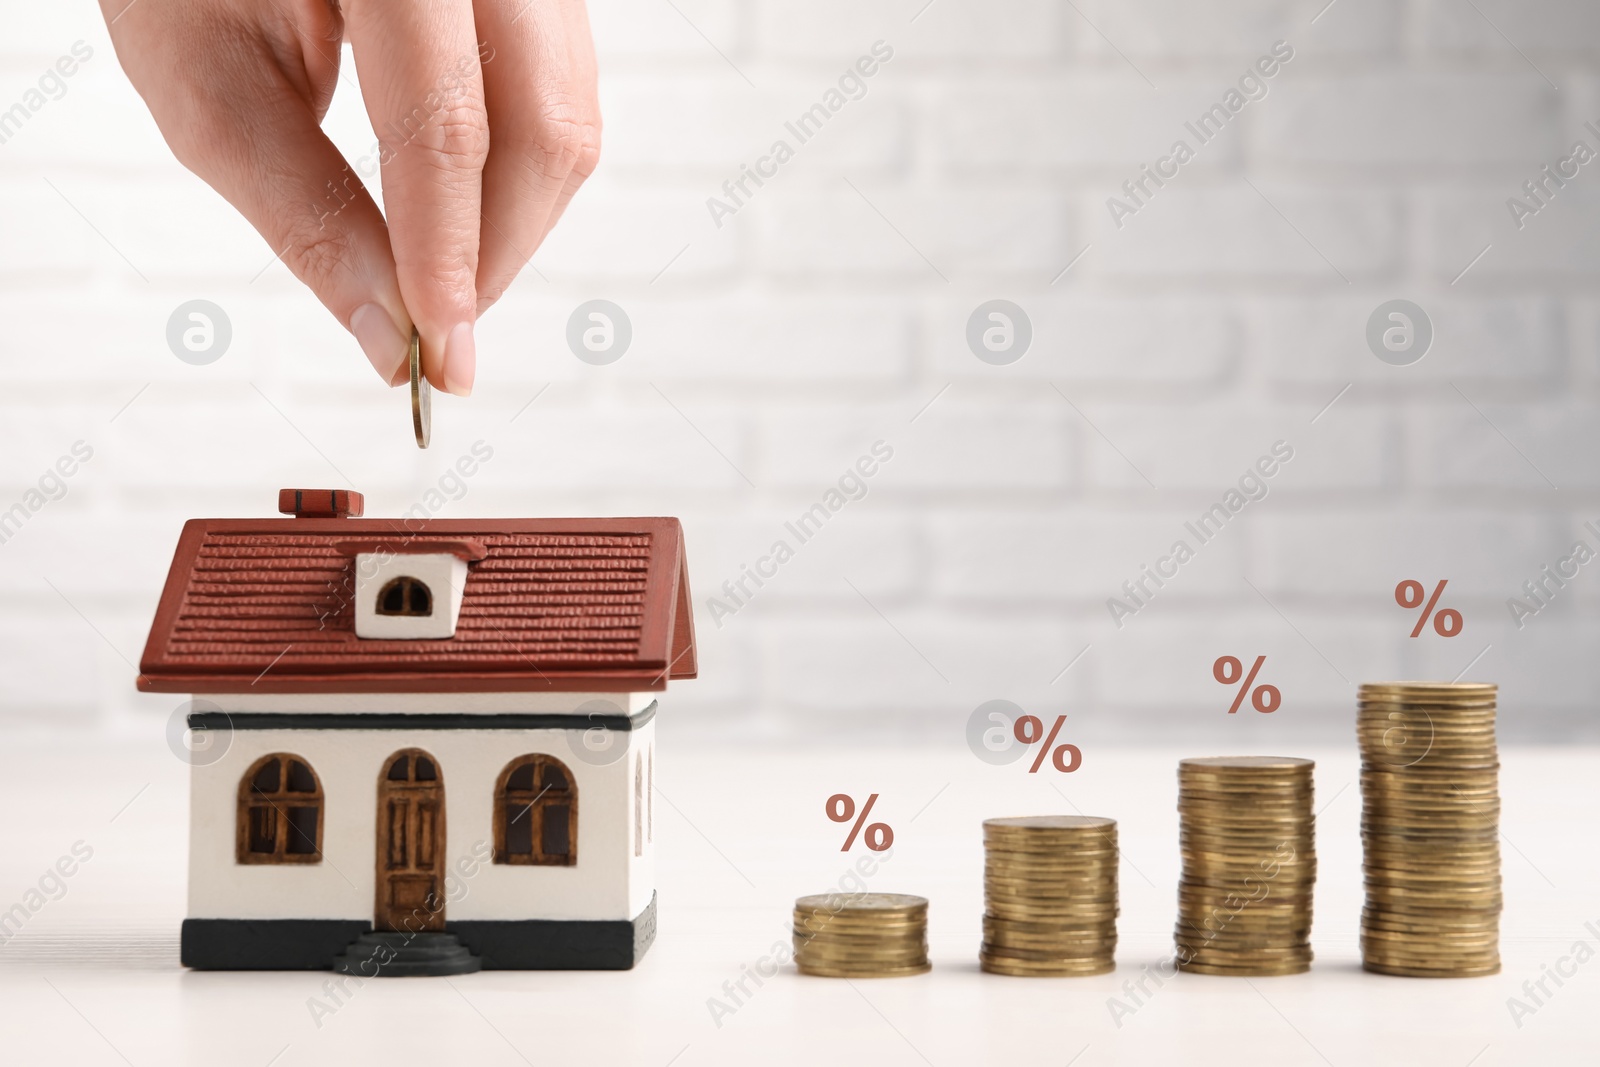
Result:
[[1065, 758], [841, 808], [1446, 622], [1264, 698]]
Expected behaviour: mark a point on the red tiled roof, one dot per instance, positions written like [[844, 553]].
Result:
[[265, 606]]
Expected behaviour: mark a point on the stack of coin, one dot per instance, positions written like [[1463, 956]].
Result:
[[861, 935], [1430, 824], [1249, 865], [1050, 895]]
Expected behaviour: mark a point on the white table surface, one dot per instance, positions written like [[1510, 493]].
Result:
[[94, 977]]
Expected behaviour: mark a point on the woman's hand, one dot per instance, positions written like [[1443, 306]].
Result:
[[487, 121]]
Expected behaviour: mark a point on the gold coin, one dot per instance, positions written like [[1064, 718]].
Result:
[[1078, 883], [1447, 894], [1042, 955], [1427, 780], [1025, 901], [1099, 946], [1427, 955], [1442, 966], [421, 394], [1204, 900], [1434, 882], [1046, 926], [1246, 805], [1037, 969], [1485, 936], [1275, 785], [1424, 691], [1064, 941], [852, 903], [1050, 876], [1284, 930], [1237, 953], [1064, 945], [1300, 940], [864, 943], [894, 936], [1224, 764], [1423, 916], [1044, 824], [1073, 888], [865, 959], [1246, 864], [1422, 839], [1422, 925], [1050, 870], [1225, 879], [1416, 972], [1098, 850], [859, 935], [1431, 933], [1456, 851], [1467, 707], [844, 920], [863, 972], [1248, 971], [1228, 775], [1054, 859], [1086, 853], [1245, 808], [1455, 946], [1246, 855], [863, 947], [1023, 913], [1202, 923]]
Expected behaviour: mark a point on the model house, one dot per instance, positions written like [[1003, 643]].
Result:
[[429, 744]]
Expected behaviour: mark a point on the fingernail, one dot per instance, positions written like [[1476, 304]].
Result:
[[380, 339], [460, 360]]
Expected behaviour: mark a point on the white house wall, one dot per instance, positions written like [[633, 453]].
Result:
[[642, 868], [607, 882]]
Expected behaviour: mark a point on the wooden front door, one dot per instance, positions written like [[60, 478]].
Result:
[[410, 843]]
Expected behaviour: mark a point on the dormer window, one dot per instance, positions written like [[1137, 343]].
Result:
[[405, 596], [409, 591]]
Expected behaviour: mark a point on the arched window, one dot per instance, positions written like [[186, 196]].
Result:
[[536, 813], [280, 812], [405, 596]]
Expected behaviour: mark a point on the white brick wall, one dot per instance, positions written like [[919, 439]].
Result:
[[1217, 320]]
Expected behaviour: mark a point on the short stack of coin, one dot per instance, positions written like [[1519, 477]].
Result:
[[1430, 827], [1050, 896], [861, 935], [1249, 865]]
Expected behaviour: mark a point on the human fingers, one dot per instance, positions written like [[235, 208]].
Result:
[[237, 91], [544, 121], [420, 75]]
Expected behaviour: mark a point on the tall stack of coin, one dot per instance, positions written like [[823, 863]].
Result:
[[1430, 824], [1249, 865], [861, 935], [1050, 895]]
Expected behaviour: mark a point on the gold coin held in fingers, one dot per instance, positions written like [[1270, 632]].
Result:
[[421, 394]]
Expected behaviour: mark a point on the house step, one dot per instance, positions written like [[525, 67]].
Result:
[[407, 955]]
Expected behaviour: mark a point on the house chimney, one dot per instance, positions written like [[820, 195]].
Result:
[[320, 503]]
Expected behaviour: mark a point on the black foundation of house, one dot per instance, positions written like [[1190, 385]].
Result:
[[504, 945]]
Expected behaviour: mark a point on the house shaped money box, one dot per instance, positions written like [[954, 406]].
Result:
[[420, 746]]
